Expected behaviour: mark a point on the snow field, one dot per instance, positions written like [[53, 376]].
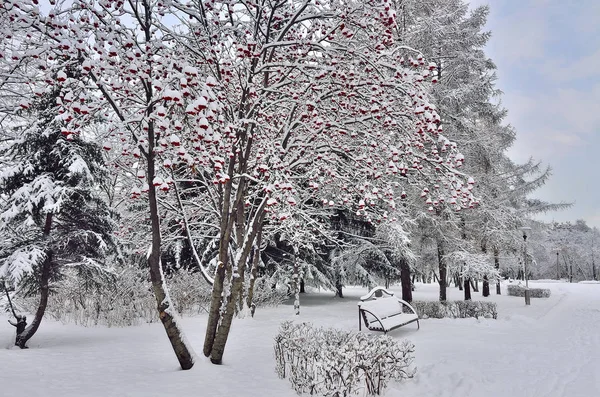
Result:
[[551, 348]]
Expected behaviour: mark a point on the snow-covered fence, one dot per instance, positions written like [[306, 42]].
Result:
[[455, 309], [330, 362], [519, 290]]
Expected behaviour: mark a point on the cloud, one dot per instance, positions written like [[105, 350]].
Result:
[[568, 70]]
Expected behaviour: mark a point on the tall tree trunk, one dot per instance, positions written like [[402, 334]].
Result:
[[497, 266], [222, 334], [442, 269], [405, 280], [224, 317], [486, 286], [474, 284], [467, 289], [165, 308], [226, 226], [296, 285], [44, 286], [338, 289], [254, 271]]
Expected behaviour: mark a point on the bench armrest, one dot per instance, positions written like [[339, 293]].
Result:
[[372, 314]]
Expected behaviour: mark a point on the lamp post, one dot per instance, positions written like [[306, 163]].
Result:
[[525, 230], [557, 268]]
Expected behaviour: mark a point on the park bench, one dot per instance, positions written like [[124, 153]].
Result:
[[382, 311]]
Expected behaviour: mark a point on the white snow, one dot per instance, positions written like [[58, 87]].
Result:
[[550, 349]]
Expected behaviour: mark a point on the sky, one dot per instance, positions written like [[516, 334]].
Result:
[[548, 58]]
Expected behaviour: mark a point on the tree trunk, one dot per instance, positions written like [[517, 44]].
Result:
[[486, 286], [467, 289], [222, 334], [571, 273], [475, 285], [338, 289], [44, 285], [214, 312], [253, 272], [39, 313], [458, 282], [497, 266], [165, 308], [296, 283], [405, 280], [442, 269], [302, 290], [224, 318]]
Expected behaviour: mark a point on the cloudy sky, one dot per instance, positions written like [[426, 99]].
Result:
[[548, 58]]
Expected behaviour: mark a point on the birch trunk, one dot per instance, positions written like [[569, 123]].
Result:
[[497, 266]]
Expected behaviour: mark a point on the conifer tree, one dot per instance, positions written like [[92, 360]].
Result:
[[51, 213]]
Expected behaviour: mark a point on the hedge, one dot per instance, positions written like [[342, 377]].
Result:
[[455, 309], [330, 362], [519, 290]]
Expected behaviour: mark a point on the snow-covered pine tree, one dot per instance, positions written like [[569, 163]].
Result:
[[52, 216], [453, 37]]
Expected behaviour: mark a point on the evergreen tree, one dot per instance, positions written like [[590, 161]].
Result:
[[52, 216]]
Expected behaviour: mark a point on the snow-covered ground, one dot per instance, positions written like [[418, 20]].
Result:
[[551, 348]]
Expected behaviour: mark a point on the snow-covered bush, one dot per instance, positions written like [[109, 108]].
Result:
[[330, 362], [519, 290], [265, 295], [189, 292], [126, 299], [455, 309]]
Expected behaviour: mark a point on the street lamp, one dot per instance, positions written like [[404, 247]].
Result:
[[525, 230], [557, 268]]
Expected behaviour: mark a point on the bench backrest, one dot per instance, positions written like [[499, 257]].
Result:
[[383, 307]]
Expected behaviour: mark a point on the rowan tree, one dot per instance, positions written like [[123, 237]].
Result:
[[253, 112]]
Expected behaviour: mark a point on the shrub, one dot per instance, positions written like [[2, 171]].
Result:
[[330, 362], [127, 299], [265, 295], [519, 290], [455, 309]]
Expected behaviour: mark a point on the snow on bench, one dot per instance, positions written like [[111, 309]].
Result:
[[382, 311]]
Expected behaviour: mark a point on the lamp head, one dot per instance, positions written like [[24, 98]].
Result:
[[525, 230]]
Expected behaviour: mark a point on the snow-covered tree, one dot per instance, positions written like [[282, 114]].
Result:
[[320, 109], [253, 110], [577, 246], [52, 215], [452, 37]]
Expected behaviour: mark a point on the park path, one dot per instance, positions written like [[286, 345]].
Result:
[[549, 349]]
